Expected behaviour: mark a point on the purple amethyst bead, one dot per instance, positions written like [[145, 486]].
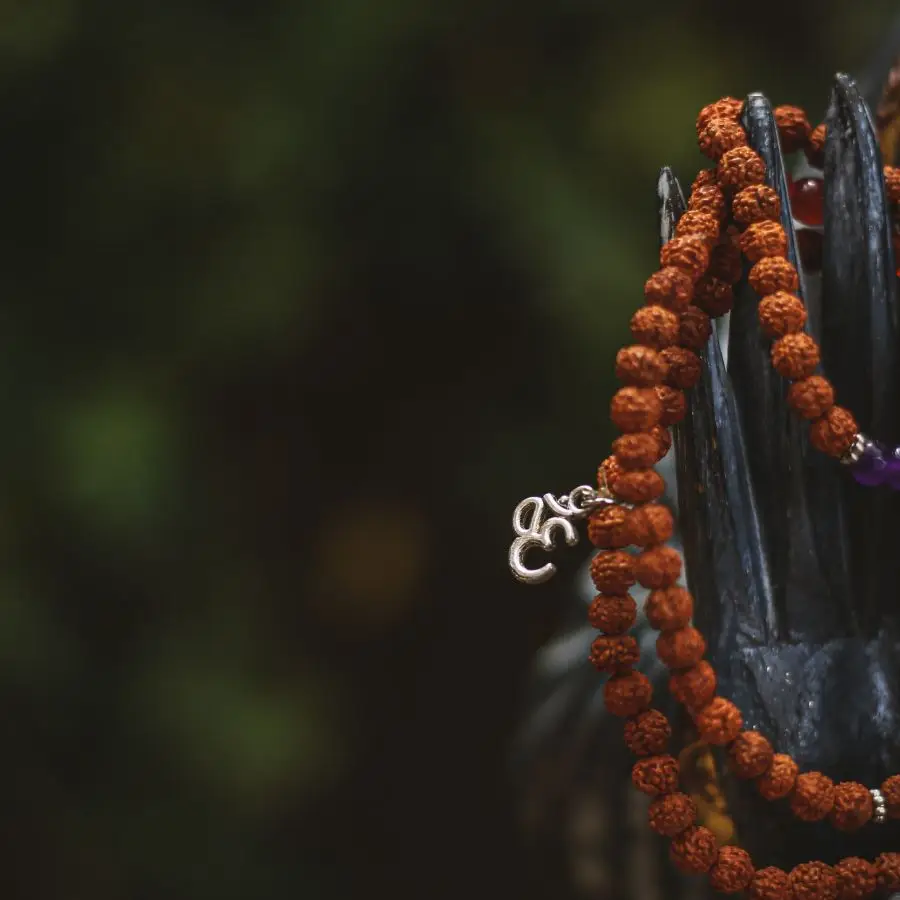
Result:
[[871, 468], [892, 478]]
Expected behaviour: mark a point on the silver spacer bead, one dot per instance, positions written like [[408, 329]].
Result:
[[879, 815], [857, 448]]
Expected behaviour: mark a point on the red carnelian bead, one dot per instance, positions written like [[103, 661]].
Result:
[[808, 200]]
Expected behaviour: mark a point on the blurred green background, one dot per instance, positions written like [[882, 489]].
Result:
[[298, 300]]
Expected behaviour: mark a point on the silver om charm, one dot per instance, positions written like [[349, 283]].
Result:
[[534, 530]]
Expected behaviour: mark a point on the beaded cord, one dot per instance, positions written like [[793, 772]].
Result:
[[698, 268]]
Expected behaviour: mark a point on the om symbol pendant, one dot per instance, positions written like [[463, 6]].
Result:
[[533, 530]]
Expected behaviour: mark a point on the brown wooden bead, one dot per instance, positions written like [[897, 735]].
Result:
[[890, 789], [793, 128], [713, 295], [770, 883], [750, 754], [635, 409], [681, 648], [689, 252], [658, 567], [813, 881], [674, 404], [606, 527], [671, 288], [613, 571], [778, 780], [695, 329], [699, 223], [684, 367], [763, 239], [709, 199], [664, 437], [694, 851], [815, 149], [726, 262], [719, 722], [704, 178], [725, 108], [641, 366], [756, 203], [637, 451], [834, 432], [695, 687], [650, 524], [669, 609], [627, 694], [655, 326], [811, 397], [718, 136], [638, 485], [655, 774], [795, 356], [856, 878], [670, 814], [853, 806], [892, 183], [813, 796], [780, 314], [887, 865], [614, 652], [613, 613], [772, 274], [741, 167], [648, 733], [733, 870]]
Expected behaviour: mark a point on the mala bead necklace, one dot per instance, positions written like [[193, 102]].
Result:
[[693, 285]]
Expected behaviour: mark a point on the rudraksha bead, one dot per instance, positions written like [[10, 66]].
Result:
[[694, 850], [750, 754], [650, 524], [778, 780], [704, 177], [689, 252], [772, 274], [811, 397], [642, 366], [726, 262], [708, 199], [770, 883], [756, 203], [725, 108], [606, 527], [719, 722], [614, 652], [694, 687], [662, 434], [813, 796], [813, 881], [680, 649], [658, 567], [670, 814], [815, 149], [781, 313], [890, 789], [671, 288], [655, 326], [762, 239], [635, 409], [648, 733], [639, 450], [674, 404], [741, 167], [887, 866], [627, 694], [655, 774], [694, 221], [892, 183], [793, 128], [795, 356], [613, 613], [613, 571], [853, 806], [695, 328], [834, 432], [856, 878], [669, 609], [638, 485], [714, 296], [733, 870], [684, 367]]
